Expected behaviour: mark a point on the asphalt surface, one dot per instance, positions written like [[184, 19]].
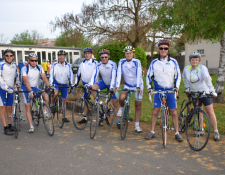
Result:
[[71, 151]]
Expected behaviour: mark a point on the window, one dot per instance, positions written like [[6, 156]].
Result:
[[76, 53], [201, 51]]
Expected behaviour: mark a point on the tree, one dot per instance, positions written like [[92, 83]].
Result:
[[128, 21], [2, 39], [72, 38], [198, 19], [27, 38], [141, 55]]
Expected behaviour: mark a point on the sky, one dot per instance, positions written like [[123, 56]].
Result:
[[16, 16]]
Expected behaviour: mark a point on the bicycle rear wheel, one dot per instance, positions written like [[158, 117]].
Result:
[[124, 121], [94, 120], [78, 113], [16, 121], [196, 137], [164, 127], [183, 116], [60, 112], [48, 119], [34, 113], [110, 114]]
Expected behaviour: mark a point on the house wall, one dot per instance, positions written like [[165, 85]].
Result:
[[211, 53]]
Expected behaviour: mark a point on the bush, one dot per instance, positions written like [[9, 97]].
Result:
[[140, 54], [115, 49]]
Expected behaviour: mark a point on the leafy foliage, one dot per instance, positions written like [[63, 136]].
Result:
[[141, 55], [27, 38]]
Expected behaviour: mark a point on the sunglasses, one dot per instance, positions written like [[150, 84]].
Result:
[[103, 57], [33, 60], [9, 55], [165, 48], [194, 59]]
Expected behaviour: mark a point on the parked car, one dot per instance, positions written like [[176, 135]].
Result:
[[75, 65]]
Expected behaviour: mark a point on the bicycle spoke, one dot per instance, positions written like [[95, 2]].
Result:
[[124, 121], [48, 119], [94, 121], [60, 112]]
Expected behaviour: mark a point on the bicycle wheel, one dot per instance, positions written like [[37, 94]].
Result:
[[110, 113], [51, 94], [124, 121], [60, 112], [196, 137], [183, 115], [34, 113], [16, 121], [94, 120], [164, 127], [48, 119], [78, 113]]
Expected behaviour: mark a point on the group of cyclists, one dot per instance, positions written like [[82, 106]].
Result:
[[164, 72]]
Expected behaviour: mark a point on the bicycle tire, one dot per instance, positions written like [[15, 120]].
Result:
[[164, 127], [34, 114], [94, 120], [51, 94], [60, 112], [183, 116], [124, 121], [195, 138], [78, 113], [16, 121], [48, 119], [110, 113]]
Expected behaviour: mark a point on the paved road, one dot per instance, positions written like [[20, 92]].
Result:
[[71, 151]]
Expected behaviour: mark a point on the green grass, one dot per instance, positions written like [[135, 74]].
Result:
[[147, 107]]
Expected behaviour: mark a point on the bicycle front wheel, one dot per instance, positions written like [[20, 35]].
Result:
[[16, 121], [124, 121], [197, 130], [78, 114], [94, 120], [34, 113], [48, 119], [183, 116], [110, 114], [164, 127], [60, 112]]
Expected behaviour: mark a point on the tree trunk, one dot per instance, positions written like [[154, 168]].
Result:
[[221, 73], [152, 47]]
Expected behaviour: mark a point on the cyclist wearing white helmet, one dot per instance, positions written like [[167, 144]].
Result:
[[60, 74], [131, 70], [8, 77], [107, 69], [30, 77], [196, 78], [165, 73], [85, 72]]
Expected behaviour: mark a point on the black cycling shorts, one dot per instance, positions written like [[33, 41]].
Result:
[[205, 100]]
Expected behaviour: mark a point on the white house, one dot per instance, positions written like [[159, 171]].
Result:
[[210, 53], [43, 52]]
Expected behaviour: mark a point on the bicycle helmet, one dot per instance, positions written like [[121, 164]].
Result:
[[195, 54], [129, 49], [87, 49], [61, 52], [104, 51], [164, 42], [8, 50], [32, 55]]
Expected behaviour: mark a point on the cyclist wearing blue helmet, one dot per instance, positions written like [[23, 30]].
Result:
[[86, 70]]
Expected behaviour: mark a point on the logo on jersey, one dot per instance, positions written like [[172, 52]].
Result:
[[89, 64], [13, 67], [167, 63], [107, 68], [133, 67]]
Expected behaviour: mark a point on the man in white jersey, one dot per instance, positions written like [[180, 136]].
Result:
[[86, 70], [130, 68], [30, 75], [8, 77], [165, 72], [61, 73], [107, 69]]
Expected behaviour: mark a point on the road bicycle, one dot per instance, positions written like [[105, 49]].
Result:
[[102, 110], [194, 121], [39, 109]]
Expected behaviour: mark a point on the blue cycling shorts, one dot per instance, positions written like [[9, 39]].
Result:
[[25, 95], [6, 101], [102, 86], [64, 91]]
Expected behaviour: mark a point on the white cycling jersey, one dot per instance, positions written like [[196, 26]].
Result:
[[33, 74], [61, 74], [165, 74], [131, 71], [108, 73], [86, 70], [8, 75], [198, 79]]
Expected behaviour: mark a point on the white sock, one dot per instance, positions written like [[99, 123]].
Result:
[[136, 124], [216, 131], [153, 132], [176, 133], [121, 108]]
